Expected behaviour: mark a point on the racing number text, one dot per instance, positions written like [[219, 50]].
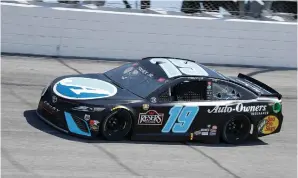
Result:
[[184, 116], [175, 67]]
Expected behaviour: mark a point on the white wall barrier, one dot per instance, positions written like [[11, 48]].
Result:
[[39, 30]]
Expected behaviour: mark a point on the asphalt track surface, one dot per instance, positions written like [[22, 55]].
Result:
[[30, 148]]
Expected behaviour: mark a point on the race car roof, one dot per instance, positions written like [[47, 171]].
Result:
[[170, 68]]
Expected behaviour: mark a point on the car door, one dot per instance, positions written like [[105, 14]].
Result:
[[173, 109]]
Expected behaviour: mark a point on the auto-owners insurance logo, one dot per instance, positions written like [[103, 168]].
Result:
[[254, 110], [84, 88], [151, 117]]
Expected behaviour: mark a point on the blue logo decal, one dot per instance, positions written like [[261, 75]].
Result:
[[184, 115], [84, 88]]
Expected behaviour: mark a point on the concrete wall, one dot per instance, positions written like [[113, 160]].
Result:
[[105, 34]]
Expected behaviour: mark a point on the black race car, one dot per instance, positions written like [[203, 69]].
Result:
[[162, 99]]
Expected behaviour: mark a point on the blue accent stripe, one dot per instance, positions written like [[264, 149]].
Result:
[[72, 126]]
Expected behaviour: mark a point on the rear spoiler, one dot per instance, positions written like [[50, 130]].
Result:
[[273, 92]]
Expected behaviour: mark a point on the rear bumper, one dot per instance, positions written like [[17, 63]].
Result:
[[269, 125]]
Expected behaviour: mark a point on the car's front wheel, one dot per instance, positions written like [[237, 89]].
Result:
[[237, 129], [116, 126]]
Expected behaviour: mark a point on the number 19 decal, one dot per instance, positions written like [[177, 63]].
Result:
[[184, 116]]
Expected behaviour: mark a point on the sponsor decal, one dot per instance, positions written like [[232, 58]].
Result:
[[48, 105], [196, 78], [254, 110], [128, 71], [209, 86], [191, 136], [135, 71], [153, 100], [79, 88], [94, 125], [151, 117], [87, 117], [211, 131], [145, 72], [204, 133], [197, 132], [161, 79], [268, 125], [98, 109], [209, 91], [87, 109], [145, 106], [54, 99], [276, 107]]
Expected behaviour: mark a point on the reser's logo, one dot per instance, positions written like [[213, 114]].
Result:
[[151, 117], [239, 108]]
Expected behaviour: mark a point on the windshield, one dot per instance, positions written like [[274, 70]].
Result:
[[136, 79]]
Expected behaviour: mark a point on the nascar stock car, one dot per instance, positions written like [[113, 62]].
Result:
[[162, 99]]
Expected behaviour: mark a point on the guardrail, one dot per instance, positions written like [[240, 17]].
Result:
[[57, 31]]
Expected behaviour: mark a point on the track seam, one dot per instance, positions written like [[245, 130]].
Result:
[[117, 160], [20, 98], [15, 163], [68, 66], [21, 84], [213, 160]]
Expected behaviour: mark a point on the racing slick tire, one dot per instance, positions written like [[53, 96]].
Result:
[[236, 130], [117, 125]]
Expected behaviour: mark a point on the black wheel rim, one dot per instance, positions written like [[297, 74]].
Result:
[[237, 129], [117, 125], [114, 124]]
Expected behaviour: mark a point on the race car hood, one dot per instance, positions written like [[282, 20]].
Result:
[[91, 89]]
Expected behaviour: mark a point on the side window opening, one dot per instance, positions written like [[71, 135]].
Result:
[[222, 91], [165, 96], [190, 91], [185, 91], [202, 91]]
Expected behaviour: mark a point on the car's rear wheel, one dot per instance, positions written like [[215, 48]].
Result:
[[116, 126], [237, 129]]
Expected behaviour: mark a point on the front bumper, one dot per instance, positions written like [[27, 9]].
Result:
[[62, 120], [50, 123]]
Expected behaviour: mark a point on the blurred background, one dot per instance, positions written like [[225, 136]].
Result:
[[249, 9]]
